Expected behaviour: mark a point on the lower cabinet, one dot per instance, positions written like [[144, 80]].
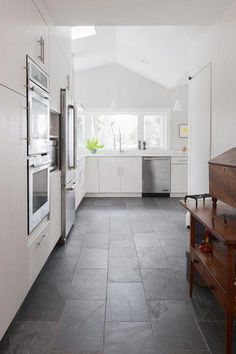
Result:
[[92, 174], [131, 175], [110, 174], [80, 179], [179, 175], [114, 175], [39, 248]]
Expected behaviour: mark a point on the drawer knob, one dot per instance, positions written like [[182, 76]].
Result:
[[195, 261], [211, 287]]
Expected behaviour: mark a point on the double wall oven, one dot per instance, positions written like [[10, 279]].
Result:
[[38, 144]]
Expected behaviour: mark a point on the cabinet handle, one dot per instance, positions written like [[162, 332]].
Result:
[[42, 239], [195, 261], [41, 43], [211, 287]]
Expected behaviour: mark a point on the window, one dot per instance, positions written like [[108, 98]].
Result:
[[107, 127], [152, 127], [155, 131], [81, 136]]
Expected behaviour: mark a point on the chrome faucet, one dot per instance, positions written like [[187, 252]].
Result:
[[114, 137]]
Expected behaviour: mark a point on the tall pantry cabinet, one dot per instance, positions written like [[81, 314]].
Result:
[[25, 29]]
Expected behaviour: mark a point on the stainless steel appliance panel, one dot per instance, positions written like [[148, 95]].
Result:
[[38, 190], [37, 75], [156, 175], [38, 113], [38, 120]]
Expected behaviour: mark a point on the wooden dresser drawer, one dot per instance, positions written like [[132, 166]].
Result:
[[39, 248], [210, 281]]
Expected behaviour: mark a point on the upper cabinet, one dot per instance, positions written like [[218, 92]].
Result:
[[37, 36], [24, 31], [61, 72], [13, 32]]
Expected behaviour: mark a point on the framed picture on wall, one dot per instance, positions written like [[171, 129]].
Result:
[[183, 130]]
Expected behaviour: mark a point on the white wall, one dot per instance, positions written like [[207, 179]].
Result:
[[94, 88], [218, 46]]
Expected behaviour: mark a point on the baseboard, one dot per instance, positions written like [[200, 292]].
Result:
[[178, 195], [113, 195]]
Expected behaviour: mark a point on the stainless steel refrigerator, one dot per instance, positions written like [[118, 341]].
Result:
[[68, 163]]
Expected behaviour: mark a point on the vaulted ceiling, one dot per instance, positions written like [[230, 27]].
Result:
[[159, 53], [136, 12]]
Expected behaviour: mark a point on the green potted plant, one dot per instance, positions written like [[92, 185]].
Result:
[[93, 145]]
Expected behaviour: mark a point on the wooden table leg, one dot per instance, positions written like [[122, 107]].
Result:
[[230, 276]]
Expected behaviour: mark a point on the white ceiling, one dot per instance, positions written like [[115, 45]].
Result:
[[136, 12], [159, 53]]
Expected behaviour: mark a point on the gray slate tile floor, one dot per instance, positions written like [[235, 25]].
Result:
[[118, 287]]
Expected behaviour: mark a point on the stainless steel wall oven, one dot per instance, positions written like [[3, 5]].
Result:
[[38, 109], [38, 189]]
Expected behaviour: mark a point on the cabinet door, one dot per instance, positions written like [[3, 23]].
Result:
[[131, 179], [37, 30], [110, 174], [13, 206], [92, 175], [13, 33], [55, 72], [179, 176], [55, 207]]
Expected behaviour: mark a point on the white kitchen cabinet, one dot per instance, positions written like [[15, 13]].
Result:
[[131, 175], [92, 175], [39, 248], [179, 175], [55, 207], [61, 69], [13, 33], [80, 179], [116, 175], [110, 174], [13, 206], [37, 35]]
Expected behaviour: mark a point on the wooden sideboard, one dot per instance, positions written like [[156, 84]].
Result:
[[217, 269]]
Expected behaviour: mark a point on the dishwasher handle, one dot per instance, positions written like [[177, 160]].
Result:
[[156, 158]]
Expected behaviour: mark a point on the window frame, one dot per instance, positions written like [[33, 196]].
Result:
[[140, 121]]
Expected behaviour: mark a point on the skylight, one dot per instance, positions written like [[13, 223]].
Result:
[[83, 31]]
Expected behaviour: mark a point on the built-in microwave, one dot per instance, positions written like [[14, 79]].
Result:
[[38, 109], [38, 189]]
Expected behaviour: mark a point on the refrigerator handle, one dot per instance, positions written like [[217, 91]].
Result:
[[75, 137]]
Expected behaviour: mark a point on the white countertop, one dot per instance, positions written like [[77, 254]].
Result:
[[134, 154]]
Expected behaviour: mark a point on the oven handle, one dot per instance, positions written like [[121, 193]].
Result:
[[71, 188], [35, 165], [39, 92]]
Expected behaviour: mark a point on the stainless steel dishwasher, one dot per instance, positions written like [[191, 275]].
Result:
[[156, 176]]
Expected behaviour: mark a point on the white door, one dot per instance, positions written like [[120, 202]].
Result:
[[131, 179], [110, 174], [200, 131], [92, 175]]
